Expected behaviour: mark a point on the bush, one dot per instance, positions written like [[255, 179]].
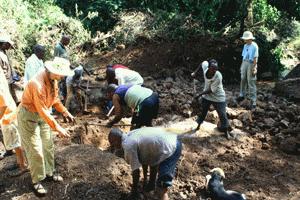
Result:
[[39, 22]]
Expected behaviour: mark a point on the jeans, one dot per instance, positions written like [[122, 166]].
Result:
[[148, 111], [221, 110], [166, 169]]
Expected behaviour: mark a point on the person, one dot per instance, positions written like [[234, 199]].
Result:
[[11, 137], [149, 146], [143, 101], [35, 121], [249, 69], [123, 76], [11, 76], [213, 94], [60, 49], [34, 64], [73, 84], [116, 66]]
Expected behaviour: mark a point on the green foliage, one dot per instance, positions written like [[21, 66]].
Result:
[[291, 7], [39, 22], [265, 12]]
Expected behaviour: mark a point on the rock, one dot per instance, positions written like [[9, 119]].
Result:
[[269, 122], [121, 46], [284, 123], [294, 73], [237, 123], [182, 195], [265, 146], [288, 88], [245, 117], [266, 76], [245, 103], [231, 113], [212, 117], [290, 145]]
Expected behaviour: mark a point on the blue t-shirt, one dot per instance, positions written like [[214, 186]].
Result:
[[250, 51], [121, 91]]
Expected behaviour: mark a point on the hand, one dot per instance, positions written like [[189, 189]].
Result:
[[69, 118], [62, 132], [193, 74], [109, 124], [254, 70]]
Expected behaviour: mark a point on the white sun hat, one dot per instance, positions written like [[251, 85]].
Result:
[[59, 66], [6, 38], [247, 35]]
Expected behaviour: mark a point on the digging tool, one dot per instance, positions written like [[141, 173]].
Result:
[[195, 88], [110, 111], [86, 96], [98, 124]]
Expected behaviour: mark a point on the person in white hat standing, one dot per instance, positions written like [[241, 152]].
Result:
[[5, 44], [249, 69], [35, 121]]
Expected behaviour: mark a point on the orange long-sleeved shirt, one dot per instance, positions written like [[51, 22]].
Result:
[[40, 95], [7, 104]]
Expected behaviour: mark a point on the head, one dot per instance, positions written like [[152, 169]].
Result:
[[39, 51], [58, 68], [5, 42], [65, 40], [247, 37], [218, 171], [111, 88], [110, 74], [115, 138], [109, 66], [212, 66]]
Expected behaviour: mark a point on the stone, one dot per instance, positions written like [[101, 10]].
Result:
[[290, 145], [269, 122], [284, 123], [288, 88], [237, 123]]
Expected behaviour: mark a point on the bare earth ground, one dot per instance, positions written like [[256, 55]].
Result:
[[92, 172]]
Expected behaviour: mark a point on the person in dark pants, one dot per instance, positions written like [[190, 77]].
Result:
[[143, 101], [213, 94], [149, 146]]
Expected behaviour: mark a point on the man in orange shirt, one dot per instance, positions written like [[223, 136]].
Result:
[[9, 129], [35, 121]]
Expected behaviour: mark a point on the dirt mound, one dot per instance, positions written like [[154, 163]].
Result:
[[88, 174]]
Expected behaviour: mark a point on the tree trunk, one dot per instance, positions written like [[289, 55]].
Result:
[[249, 18]]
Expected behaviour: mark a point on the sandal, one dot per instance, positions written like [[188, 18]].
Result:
[[39, 190], [55, 178]]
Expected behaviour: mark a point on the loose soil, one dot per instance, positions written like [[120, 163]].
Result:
[[253, 164]]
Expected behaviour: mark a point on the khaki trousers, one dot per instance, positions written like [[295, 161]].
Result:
[[248, 81], [37, 141]]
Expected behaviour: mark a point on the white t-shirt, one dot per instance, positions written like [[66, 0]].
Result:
[[128, 77], [148, 146], [216, 86], [33, 66]]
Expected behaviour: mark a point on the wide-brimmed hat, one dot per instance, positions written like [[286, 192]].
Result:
[[59, 66], [247, 35], [6, 38]]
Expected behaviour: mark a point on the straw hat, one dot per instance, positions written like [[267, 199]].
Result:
[[59, 66], [247, 35], [6, 38]]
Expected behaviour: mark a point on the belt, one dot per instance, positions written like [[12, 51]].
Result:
[[246, 60]]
